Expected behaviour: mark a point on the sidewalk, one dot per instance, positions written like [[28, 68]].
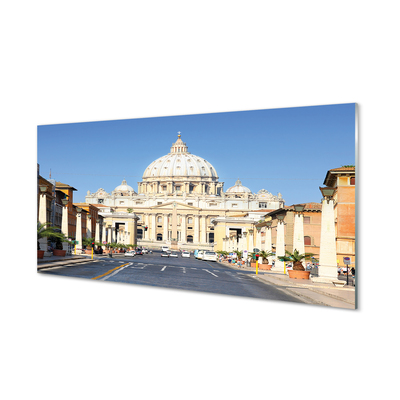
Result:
[[52, 261], [312, 293]]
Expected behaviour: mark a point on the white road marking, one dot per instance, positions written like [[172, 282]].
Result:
[[211, 273], [163, 269]]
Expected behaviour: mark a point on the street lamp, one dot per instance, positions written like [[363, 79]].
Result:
[[327, 192]]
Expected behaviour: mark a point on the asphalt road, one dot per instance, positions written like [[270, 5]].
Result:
[[176, 273]]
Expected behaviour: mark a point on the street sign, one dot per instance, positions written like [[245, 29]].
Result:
[[104, 242], [346, 260]]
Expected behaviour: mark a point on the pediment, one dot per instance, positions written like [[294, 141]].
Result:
[[170, 206]]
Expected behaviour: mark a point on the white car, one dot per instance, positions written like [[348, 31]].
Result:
[[130, 253], [165, 253], [210, 256], [145, 251], [200, 254], [173, 254], [164, 248], [185, 254]]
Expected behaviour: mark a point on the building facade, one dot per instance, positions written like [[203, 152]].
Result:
[[178, 202]]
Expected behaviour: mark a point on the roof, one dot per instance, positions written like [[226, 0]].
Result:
[[332, 173], [60, 185]]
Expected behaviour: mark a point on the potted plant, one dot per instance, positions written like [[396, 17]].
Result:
[[59, 250], [298, 271], [45, 230], [264, 264]]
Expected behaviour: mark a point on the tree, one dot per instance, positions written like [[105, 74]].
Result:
[[296, 258]]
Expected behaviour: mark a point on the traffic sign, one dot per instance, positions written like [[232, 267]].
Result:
[[346, 260]]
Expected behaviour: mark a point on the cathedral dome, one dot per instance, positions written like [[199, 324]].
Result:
[[238, 188], [180, 163], [124, 187]]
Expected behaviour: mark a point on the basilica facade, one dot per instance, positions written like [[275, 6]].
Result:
[[180, 202]]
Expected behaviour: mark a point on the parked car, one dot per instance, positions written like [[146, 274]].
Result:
[[200, 254], [210, 256], [185, 254], [164, 248], [130, 253], [173, 254], [144, 251], [139, 252], [165, 253]]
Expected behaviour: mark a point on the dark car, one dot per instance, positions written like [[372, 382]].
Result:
[[139, 252]]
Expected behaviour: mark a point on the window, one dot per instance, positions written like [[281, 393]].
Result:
[[178, 188], [190, 204], [189, 239], [262, 205], [307, 240], [159, 203], [306, 220], [139, 233], [159, 219], [190, 220], [121, 203], [159, 237], [234, 205], [353, 180], [212, 204], [101, 201]]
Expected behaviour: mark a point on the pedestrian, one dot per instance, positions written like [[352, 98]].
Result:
[[338, 271], [273, 264], [353, 272]]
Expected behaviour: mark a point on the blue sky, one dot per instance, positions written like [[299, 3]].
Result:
[[286, 150]]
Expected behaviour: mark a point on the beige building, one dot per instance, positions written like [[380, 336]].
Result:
[[180, 202]]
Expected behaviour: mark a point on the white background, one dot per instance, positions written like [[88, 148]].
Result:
[[96, 60]]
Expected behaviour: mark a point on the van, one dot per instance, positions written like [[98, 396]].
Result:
[[200, 254], [164, 248]]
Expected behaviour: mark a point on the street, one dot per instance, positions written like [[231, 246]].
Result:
[[176, 273]]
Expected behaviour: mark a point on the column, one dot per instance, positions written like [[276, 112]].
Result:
[[196, 229], [203, 229], [88, 226], [298, 233], [146, 223], [280, 245], [97, 232], [268, 239], [104, 235], [183, 228], [113, 234], [165, 227], [327, 270], [42, 207], [78, 235], [64, 224], [153, 227], [258, 238]]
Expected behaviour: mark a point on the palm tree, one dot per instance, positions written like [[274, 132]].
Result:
[[296, 258], [265, 255], [44, 230]]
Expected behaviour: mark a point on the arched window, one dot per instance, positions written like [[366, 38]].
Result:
[[159, 237], [307, 240], [190, 220], [189, 239]]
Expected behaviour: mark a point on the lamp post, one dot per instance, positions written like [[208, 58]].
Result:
[[327, 271]]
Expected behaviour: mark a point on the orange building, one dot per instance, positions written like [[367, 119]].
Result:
[[68, 197], [343, 180], [94, 215], [311, 226]]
